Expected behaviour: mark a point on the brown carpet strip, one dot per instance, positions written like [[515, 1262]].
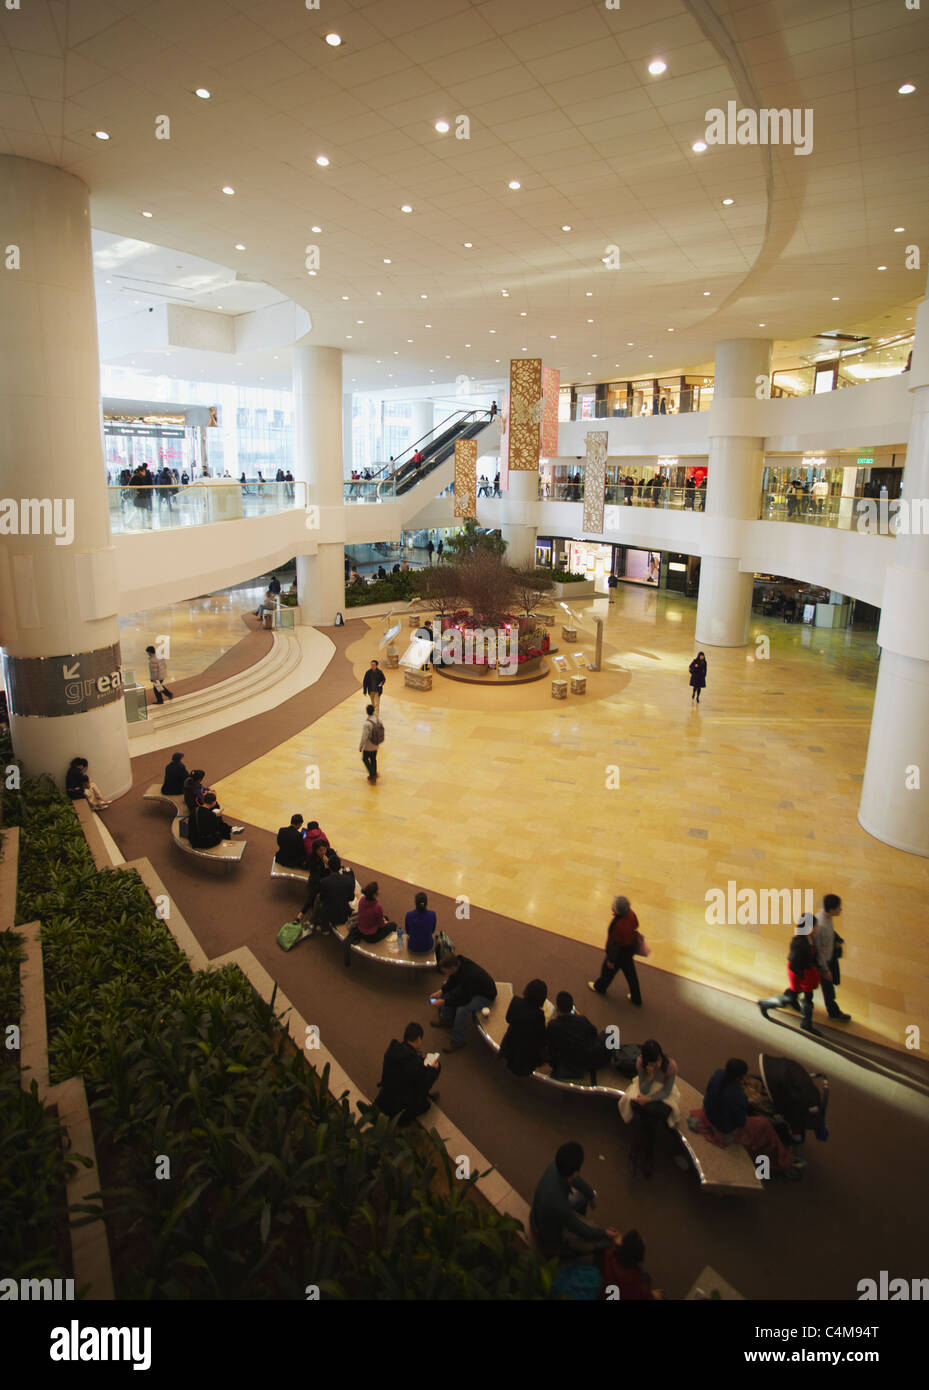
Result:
[[247, 652], [860, 1207]]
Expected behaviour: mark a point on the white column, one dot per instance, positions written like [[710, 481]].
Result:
[[733, 487], [895, 792], [348, 462], [317, 378], [59, 595], [422, 415], [517, 529]]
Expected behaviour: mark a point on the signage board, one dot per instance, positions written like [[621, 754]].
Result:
[[48, 687]]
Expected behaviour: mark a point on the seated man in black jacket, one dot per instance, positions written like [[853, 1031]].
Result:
[[176, 775], [290, 850], [334, 899], [561, 1200], [574, 1046], [206, 826], [467, 988], [322, 862], [406, 1081]]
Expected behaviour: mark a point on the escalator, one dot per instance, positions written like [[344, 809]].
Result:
[[436, 447]]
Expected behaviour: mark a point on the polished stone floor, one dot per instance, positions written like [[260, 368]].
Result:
[[200, 631], [544, 809]]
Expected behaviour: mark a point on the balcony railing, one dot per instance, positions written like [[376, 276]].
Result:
[[165, 507], [368, 490], [840, 513]]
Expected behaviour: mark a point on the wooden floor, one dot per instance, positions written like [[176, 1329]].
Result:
[[544, 809]]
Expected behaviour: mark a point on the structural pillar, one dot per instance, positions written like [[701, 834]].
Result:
[[733, 487], [519, 508], [317, 382], [895, 792], [59, 590], [422, 415]]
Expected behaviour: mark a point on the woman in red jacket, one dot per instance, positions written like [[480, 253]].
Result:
[[371, 923], [620, 952], [803, 975]]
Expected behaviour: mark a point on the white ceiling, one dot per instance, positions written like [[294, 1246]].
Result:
[[559, 96]]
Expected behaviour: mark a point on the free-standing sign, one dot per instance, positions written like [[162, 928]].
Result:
[[50, 686]]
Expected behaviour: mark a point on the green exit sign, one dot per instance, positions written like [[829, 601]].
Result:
[[865, 462]]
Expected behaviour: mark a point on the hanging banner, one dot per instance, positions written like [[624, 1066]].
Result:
[[525, 413], [595, 480], [551, 386], [466, 478]]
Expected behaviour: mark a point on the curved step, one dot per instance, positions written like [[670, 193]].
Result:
[[283, 658]]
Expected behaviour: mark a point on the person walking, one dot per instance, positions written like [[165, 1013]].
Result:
[[430, 548], [372, 736], [620, 952], [373, 685], [828, 951], [697, 670], [803, 975], [611, 584], [158, 672]]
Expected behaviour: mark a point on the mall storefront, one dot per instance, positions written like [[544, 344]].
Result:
[[596, 561]]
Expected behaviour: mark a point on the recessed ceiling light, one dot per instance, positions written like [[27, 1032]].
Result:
[[468, 244], [467, 344], [630, 345], [387, 260], [109, 282], [275, 358], [651, 355], [906, 89], [553, 335], [595, 354], [727, 202], [228, 191], [359, 320], [762, 325], [657, 66], [322, 160], [348, 335], [219, 306], [409, 340], [524, 349], [101, 135], [566, 227], [345, 296], [311, 272], [589, 294], [442, 127], [424, 296], [377, 291], [239, 246], [670, 330], [899, 229], [522, 313], [698, 146], [406, 208], [203, 93], [882, 267], [147, 214], [333, 40], [448, 357], [316, 229], [835, 299], [706, 292], [427, 325], [514, 184]]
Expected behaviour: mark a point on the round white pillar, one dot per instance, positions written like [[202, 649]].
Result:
[[894, 803], [58, 583], [733, 485], [317, 382], [422, 415], [517, 528]]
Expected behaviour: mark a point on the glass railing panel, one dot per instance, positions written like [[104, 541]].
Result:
[[165, 507], [840, 513], [362, 490]]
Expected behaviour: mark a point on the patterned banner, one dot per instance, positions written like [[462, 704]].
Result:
[[551, 385], [525, 413], [466, 477], [595, 480]]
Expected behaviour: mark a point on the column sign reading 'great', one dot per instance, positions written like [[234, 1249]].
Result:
[[47, 687]]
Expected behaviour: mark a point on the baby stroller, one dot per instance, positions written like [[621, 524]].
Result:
[[796, 1101]]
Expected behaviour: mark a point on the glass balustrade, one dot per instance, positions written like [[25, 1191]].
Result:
[[365, 490], [161, 508]]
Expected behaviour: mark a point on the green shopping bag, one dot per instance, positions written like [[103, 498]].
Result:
[[289, 934]]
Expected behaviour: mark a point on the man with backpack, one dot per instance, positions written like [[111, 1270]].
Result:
[[372, 736]]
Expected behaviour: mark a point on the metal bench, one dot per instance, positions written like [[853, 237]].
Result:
[[281, 871], [385, 951], [718, 1169], [154, 793], [228, 851]]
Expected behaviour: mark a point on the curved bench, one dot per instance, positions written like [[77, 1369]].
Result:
[[282, 871], [228, 851], [718, 1170], [384, 952]]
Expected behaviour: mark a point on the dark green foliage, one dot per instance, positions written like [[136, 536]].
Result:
[[471, 539], [395, 586]]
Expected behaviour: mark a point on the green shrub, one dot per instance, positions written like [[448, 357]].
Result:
[[563, 577], [395, 586]]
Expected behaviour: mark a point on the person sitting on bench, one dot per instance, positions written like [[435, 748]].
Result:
[[419, 926], [621, 1269], [193, 789], [575, 1048], [561, 1200], [322, 861], [523, 1045], [467, 988], [176, 775], [290, 851], [313, 836], [406, 1081], [206, 827], [724, 1119], [334, 899], [372, 924], [650, 1101]]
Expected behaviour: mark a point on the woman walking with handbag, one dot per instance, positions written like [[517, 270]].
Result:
[[623, 942]]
